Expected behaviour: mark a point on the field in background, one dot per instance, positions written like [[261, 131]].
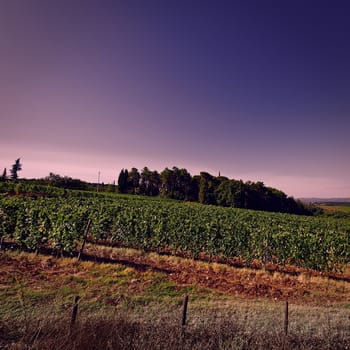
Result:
[[343, 207]]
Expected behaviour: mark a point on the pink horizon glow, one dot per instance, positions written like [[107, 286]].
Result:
[[254, 92]]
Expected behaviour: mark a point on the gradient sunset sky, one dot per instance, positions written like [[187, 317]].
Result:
[[258, 90]]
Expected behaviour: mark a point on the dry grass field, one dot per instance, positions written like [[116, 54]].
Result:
[[133, 300]]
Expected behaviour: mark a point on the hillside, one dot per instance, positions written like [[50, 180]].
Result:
[[132, 300], [325, 200], [173, 183], [237, 266]]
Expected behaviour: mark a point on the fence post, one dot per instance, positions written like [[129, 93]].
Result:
[[86, 232], [74, 311], [184, 315], [286, 318]]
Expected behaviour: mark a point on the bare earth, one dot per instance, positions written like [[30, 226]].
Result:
[[272, 283]]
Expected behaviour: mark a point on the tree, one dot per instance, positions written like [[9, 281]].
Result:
[[177, 184], [231, 193], [15, 168], [123, 181], [186, 185], [145, 180], [4, 175], [134, 181], [167, 183], [150, 182], [67, 182], [154, 184], [207, 185]]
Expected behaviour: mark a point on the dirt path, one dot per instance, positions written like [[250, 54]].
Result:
[[304, 286]]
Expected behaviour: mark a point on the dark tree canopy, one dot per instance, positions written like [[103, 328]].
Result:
[[15, 169], [205, 188], [150, 182], [4, 175], [65, 182], [133, 181], [177, 184], [123, 181]]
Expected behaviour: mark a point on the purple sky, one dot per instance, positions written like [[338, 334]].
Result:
[[258, 90]]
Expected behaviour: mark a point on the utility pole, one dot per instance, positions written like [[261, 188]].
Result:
[[98, 181]]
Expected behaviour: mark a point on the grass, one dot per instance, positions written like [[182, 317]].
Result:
[[341, 208], [123, 307], [336, 207], [234, 326]]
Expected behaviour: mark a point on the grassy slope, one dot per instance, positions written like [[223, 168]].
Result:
[[36, 294]]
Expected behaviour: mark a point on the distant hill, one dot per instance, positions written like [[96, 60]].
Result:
[[325, 200]]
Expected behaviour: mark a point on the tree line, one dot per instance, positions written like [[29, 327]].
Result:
[[205, 188], [16, 167], [53, 179], [178, 183]]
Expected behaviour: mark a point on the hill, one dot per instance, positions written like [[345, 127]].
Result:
[[324, 200]]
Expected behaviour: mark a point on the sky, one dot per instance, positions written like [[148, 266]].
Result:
[[256, 90]]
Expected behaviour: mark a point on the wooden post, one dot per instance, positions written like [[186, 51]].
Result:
[[286, 318], [184, 315], [74, 311], [86, 232]]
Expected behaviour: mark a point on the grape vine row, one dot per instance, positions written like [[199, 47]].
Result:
[[318, 243]]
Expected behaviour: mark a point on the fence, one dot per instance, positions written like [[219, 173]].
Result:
[[74, 316]]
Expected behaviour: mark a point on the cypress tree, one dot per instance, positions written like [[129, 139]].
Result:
[[4, 175], [15, 168]]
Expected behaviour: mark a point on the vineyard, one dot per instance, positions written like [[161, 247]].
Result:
[[188, 228]]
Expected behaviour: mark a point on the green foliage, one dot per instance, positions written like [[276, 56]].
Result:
[[150, 182], [111, 188], [177, 184], [65, 182], [133, 181], [146, 223], [205, 188], [230, 193]]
